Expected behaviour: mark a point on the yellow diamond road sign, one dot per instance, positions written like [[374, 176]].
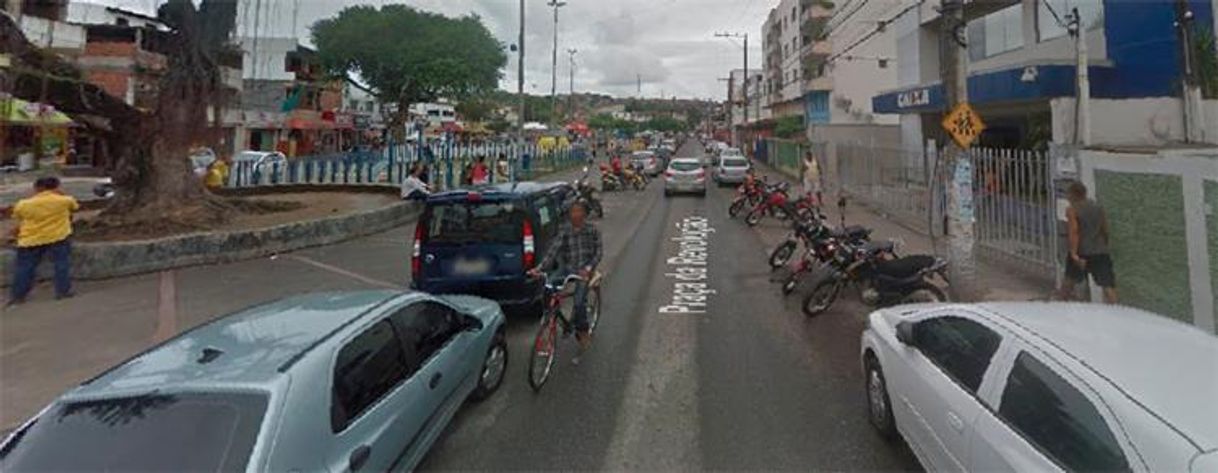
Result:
[[963, 124]]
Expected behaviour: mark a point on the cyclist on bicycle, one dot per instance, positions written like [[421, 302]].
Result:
[[578, 249]]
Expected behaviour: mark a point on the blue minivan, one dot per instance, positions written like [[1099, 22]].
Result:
[[481, 241]]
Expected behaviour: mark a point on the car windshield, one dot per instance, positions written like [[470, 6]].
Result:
[[156, 432], [685, 166], [735, 163], [462, 222]]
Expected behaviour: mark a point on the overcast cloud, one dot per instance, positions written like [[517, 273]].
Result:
[[667, 44]]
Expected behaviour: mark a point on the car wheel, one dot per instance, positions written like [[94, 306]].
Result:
[[494, 366], [879, 407]]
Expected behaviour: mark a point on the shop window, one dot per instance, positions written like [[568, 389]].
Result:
[[996, 33], [1047, 26]]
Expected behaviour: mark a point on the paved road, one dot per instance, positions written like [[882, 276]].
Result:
[[747, 384]]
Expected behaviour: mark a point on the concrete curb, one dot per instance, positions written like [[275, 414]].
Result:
[[107, 260]]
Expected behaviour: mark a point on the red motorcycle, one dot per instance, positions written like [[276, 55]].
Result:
[[773, 203], [747, 195]]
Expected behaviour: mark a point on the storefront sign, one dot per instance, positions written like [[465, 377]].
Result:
[[913, 98]]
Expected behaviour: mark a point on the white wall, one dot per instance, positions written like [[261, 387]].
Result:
[[264, 58], [95, 14], [1131, 122], [53, 34], [857, 81]]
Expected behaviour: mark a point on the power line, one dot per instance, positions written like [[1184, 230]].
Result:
[[883, 25], [832, 27]]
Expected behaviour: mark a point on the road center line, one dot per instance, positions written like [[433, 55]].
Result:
[[343, 272]]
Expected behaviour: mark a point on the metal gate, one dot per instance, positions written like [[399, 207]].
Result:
[[1014, 204]]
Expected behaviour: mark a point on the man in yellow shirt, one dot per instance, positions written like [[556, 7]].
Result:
[[44, 223]]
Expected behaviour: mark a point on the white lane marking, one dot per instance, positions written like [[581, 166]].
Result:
[[166, 307], [10, 351], [343, 272]]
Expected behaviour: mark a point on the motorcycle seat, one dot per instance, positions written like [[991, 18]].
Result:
[[852, 232], [879, 247], [902, 270]]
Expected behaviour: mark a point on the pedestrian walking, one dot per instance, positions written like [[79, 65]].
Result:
[[44, 225], [812, 176], [1088, 251]]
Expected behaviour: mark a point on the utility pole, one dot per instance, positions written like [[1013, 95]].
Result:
[[1190, 93], [728, 105], [638, 78], [556, 4], [958, 169], [1082, 81], [571, 93], [520, 90], [744, 84]]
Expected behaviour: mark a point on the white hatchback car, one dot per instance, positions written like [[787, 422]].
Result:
[[1043, 387]]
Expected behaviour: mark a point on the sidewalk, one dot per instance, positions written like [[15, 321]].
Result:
[[995, 282]]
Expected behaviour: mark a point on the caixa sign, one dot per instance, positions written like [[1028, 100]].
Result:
[[913, 98]]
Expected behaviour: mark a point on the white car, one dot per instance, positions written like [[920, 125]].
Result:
[[685, 175], [1043, 387], [259, 165]]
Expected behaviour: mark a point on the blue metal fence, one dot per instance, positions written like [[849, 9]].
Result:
[[446, 164]]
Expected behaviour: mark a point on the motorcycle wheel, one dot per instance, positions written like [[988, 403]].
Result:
[[735, 208], [925, 293], [821, 297], [753, 218], [781, 214], [782, 255], [805, 214], [789, 285]]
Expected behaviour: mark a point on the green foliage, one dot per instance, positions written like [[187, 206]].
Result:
[[789, 127], [406, 55], [606, 122], [665, 124], [499, 125], [476, 109], [1206, 53]]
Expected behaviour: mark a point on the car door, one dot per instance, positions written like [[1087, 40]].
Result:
[[950, 357], [1045, 419], [375, 400], [433, 331]]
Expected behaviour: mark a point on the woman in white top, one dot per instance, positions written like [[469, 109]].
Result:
[[413, 187]]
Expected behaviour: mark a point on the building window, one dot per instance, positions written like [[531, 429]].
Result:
[[1047, 26], [996, 33]]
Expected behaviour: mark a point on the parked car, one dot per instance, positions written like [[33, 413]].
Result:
[[324, 382], [646, 160], [730, 170], [200, 161], [483, 242], [685, 175], [1043, 387], [259, 163]]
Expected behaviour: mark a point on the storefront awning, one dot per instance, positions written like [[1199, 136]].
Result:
[[14, 111]]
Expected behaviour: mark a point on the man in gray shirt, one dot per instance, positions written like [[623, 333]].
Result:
[[1088, 245]]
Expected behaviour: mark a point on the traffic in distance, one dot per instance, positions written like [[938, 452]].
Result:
[[372, 380]]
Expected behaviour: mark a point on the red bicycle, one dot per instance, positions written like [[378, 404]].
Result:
[[545, 344]]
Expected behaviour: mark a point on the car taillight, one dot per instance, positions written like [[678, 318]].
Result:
[[416, 263], [530, 255], [701, 174], [653, 161]]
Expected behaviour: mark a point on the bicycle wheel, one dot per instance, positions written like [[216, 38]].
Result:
[[735, 208], [544, 346]]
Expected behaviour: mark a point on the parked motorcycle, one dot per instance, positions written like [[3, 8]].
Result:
[[633, 179], [823, 250], [746, 196], [773, 203], [609, 180], [882, 282], [587, 193]]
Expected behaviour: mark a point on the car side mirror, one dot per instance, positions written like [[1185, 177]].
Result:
[[470, 323], [905, 333]]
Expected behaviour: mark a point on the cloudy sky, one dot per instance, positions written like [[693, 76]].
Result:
[[669, 43]]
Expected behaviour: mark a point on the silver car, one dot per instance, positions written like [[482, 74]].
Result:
[[730, 170], [324, 382], [685, 175], [647, 160]]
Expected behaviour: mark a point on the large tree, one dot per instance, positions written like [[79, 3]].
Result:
[[403, 55], [150, 146]]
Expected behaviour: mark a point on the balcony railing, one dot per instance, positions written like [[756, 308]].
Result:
[[816, 51], [818, 83]]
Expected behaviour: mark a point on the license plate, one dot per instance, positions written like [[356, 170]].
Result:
[[471, 266]]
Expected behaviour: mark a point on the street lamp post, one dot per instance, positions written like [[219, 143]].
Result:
[[520, 93], [556, 4], [744, 84], [571, 93]]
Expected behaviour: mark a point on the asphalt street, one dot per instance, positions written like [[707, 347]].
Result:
[[742, 383], [750, 384]]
